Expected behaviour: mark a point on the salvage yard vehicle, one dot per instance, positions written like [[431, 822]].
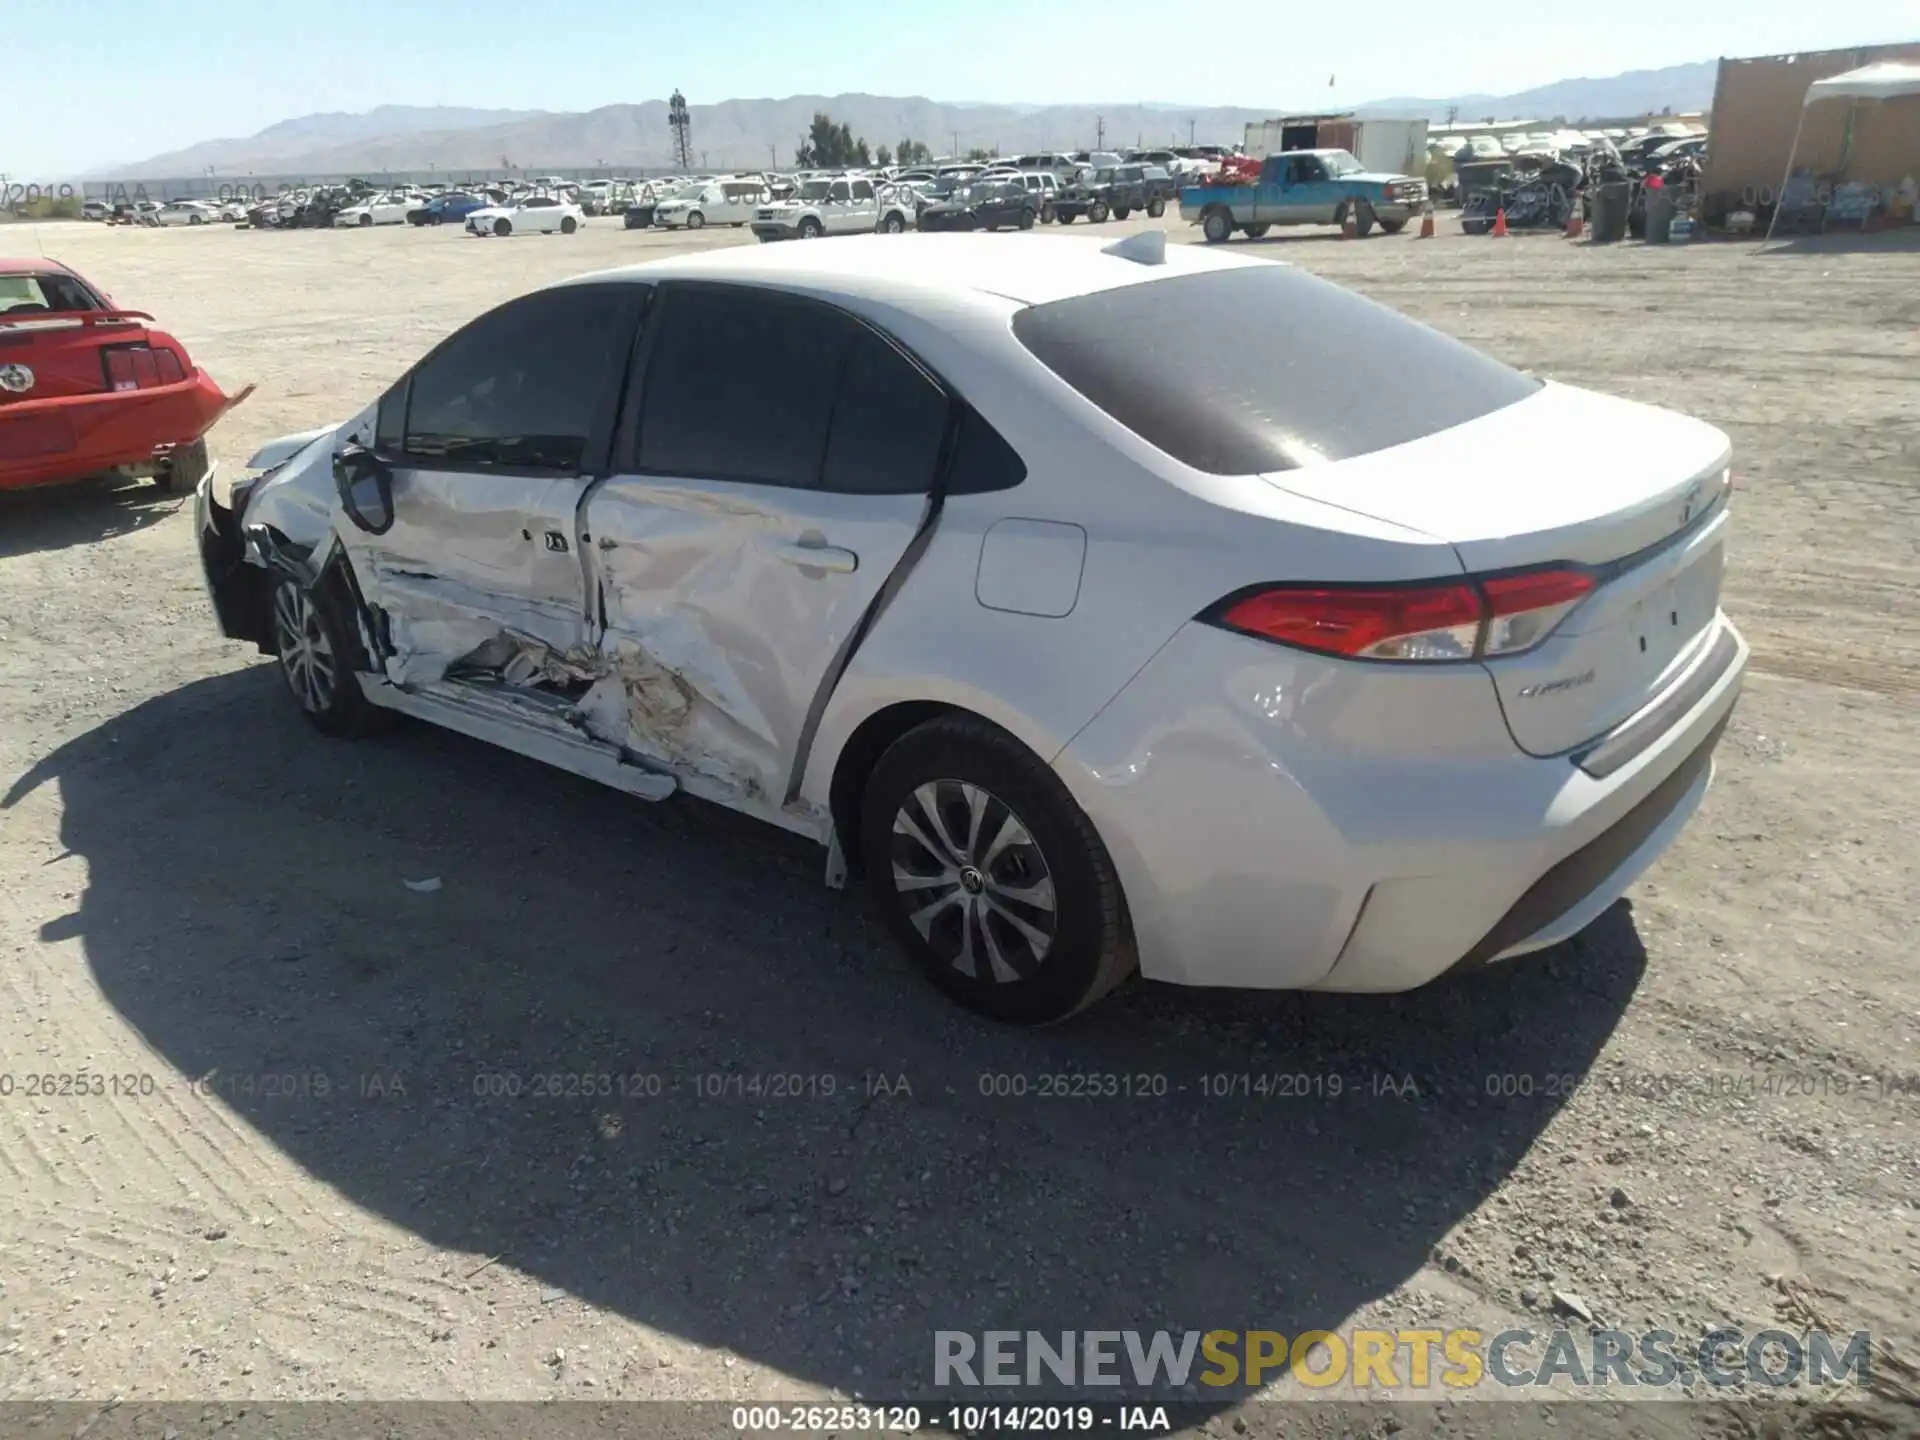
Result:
[[454, 205], [725, 202], [1304, 187], [843, 205], [389, 209], [89, 389], [986, 204], [1087, 653], [185, 212], [1117, 191], [542, 213]]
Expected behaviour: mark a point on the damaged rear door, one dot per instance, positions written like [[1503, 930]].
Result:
[[492, 441], [775, 467]]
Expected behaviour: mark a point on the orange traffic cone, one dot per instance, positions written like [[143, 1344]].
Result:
[[1572, 231], [1499, 223], [1347, 230], [1426, 226]]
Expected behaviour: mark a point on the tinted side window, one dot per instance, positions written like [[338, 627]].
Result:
[[740, 385], [390, 424], [982, 459], [888, 424], [523, 386]]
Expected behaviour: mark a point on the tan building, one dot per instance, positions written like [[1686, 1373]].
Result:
[[1757, 104]]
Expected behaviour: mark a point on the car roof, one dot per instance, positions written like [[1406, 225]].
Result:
[[35, 267], [1029, 270]]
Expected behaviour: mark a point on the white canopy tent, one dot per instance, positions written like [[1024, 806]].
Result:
[[1880, 81]]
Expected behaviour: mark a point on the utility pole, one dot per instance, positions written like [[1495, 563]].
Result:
[[1099, 132], [1190, 132], [956, 144]]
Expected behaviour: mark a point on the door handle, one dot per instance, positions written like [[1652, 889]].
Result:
[[820, 557]]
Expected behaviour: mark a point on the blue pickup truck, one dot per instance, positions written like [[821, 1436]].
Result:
[[1305, 187]]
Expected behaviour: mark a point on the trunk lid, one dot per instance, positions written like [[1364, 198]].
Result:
[[65, 352], [1633, 494]]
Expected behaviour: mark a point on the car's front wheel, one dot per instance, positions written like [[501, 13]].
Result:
[[503, 227], [696, 220], [810, 229], [311, 639], [893, 224], [1097, 212], [991, 877], [1156, 207], [366, 219]]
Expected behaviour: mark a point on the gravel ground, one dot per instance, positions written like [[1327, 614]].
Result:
[[313, 1185]]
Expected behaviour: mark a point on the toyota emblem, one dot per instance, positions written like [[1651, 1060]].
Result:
[[16, 379]]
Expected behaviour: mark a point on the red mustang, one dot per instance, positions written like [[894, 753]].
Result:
[[88, 389]]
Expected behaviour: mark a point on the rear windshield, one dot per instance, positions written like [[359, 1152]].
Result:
[[1263, 367], [42, 293]]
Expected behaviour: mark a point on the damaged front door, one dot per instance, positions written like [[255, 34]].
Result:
[[491, 442], [778, 464]]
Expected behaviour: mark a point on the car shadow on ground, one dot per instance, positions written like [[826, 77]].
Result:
[[1840, 242], [52, 517], [784, 1144]]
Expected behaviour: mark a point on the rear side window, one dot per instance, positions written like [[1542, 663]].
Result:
[[888, 424], [740, 386], [1263, 367]]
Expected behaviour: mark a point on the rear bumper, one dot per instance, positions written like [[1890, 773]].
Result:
[[1282, 822], [45, 441]]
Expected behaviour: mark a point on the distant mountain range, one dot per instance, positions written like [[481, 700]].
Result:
[[739, 133]]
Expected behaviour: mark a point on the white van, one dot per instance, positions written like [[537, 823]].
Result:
[[719, 202]]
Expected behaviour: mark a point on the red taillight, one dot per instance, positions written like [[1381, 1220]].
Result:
[[140, 367], [1426, 621]]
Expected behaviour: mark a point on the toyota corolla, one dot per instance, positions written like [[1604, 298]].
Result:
[[1231, 658]]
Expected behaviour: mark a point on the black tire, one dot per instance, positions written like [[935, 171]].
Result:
[[1121, 212], [1097, 213], [568, 225], [366, 220], [893, 223], [1216, 225], [1156, 207], [1085, 945], [1393, 227], [1026, 219], [696, 221], [1047, 216], [196, 220], [183, 468], [810, 228], [1065, 217], [1362, 219], [503, 226], [313, 640], [1254, 232]]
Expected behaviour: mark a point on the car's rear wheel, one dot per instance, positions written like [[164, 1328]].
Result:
[[1254, 232], [1097, 212], [311, 639], [196, 219], [991, 877], [503, 227], [1065, 217], [1026, 219], [183, 468], [1120, 212], [1156, 207], [1046, 214], [1393, 227], [568, 225], [1217, 225]]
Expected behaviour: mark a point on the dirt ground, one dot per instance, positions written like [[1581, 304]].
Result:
[[309, 1184]]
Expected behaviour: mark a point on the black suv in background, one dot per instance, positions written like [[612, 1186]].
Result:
[[1118, 191]]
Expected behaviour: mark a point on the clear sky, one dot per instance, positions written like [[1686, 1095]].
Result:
[[86, 83]]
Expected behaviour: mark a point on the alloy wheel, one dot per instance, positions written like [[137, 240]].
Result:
[[306, 655], [973, 881]]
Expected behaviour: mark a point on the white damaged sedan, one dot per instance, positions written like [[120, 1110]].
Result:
[[1236, 659]]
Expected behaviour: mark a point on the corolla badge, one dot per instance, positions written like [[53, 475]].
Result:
[[1555, 687], [15, 379]]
